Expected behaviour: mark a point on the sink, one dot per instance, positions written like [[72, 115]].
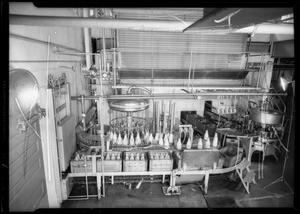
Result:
[[130, 105]]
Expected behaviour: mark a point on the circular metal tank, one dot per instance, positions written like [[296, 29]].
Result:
[[266, 116], [130, 105]]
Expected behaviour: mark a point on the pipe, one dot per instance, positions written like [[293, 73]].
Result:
[[104, 50], [115, 72], [136, 24], [154, 113], [179, 95], [42, 42], [164, 119], [204, 87], [157, 117], [133, 24], [137, 87], [83, 111], [87, 40], [42, 61], [267, 29]]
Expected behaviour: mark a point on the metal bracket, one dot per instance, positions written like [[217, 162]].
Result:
[[22, 127], [228, 17], [172, 190]]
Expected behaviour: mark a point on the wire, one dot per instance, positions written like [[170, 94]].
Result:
[[18, 105], [26, 136], [47, 118]]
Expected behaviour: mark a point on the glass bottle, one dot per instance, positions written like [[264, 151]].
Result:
[[200, 144], [178, 145]]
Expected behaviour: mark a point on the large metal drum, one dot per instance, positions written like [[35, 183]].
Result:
[[131, 105], [271, 117]]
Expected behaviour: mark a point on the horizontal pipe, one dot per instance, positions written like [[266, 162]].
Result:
[[42, 61], [137, 24], [41, 42], [178, 95], [156, 11], [287, 29], [75, 53], [173, 51], [198, 87], [267, 29], [133, 24], [198, 94]]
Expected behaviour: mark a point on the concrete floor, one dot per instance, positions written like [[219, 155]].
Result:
[[222, 192]]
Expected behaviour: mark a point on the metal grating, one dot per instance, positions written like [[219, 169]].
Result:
[[164, 50], [170, 50]]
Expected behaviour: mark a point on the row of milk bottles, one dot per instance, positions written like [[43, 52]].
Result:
[[205, 143], [160, 138]]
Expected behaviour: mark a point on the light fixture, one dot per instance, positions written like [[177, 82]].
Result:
[[23, 89], [284, 84], [23, 93]]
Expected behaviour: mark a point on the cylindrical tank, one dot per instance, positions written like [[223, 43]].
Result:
[[271, 117]]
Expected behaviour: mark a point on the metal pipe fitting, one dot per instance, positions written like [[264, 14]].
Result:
[[138, 87]]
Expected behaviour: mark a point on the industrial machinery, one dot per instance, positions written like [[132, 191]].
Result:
[[140, 128]]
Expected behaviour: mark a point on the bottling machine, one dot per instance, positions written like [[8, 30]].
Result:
[[135, 133]]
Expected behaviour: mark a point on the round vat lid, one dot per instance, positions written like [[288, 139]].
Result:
[[131, 105]]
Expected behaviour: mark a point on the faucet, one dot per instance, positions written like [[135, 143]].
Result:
[[137, 87]]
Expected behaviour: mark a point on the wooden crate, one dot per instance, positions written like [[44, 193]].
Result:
[[110, 165], [160, 164], [135, 165], [78, 166]]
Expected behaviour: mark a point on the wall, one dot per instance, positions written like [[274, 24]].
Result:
[[23, 50], [28, 49]]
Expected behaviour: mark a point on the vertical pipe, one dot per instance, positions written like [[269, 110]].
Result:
[[157, 117], [101, 90], [170, 114], [192, 135], [172, 117], [104, 50], [153, 116], [115, 72], [86, 178], [190, 69], [100, 116], [83, 112], [193, 73], [260, 69], [47, 116], [87, 40], [102, 147], [165, 118]]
